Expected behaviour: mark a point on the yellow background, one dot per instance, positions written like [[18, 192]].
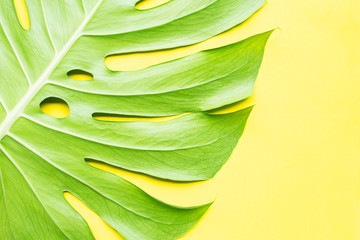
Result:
[[295, 173]]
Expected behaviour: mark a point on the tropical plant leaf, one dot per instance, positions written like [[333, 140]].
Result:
[[41, 157]]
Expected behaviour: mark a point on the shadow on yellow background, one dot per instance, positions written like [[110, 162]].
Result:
[[295, 173]]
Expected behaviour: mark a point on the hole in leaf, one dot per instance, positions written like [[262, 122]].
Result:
[[142, 60], [22, 14], [99, 228], [80, 75], [147, 4], [173, 192], [55, 107], [127, 118], [236, 106]]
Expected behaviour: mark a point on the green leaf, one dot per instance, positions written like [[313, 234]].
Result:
[[41, 157]]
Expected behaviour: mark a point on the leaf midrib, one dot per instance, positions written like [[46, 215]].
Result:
[[17, 111]]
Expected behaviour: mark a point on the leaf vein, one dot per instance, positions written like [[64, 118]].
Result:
[[76, 178], [47, 27], [2, 103], [31, 187], [16, 54], [108, 144], [6, 209], [32, 91]]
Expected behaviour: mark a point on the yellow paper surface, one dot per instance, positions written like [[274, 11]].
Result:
[[295, 173]]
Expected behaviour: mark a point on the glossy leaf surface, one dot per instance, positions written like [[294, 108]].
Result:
[[41, 157]]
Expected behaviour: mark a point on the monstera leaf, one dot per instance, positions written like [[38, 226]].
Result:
[[41, 157]]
